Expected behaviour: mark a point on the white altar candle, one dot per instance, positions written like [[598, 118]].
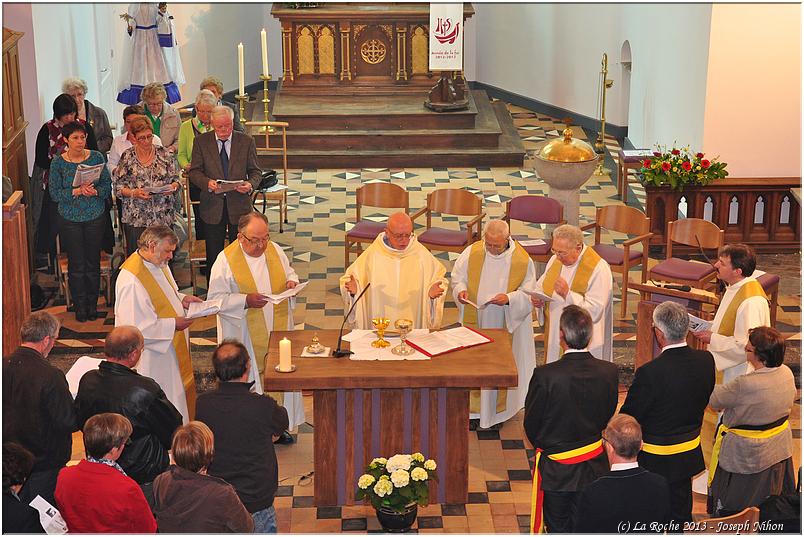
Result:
[[284, 355], [242, 85], [264, 41]]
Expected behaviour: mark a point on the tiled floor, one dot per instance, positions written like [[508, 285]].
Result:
[[321, 207]]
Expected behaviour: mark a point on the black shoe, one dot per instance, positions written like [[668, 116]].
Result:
[[92, 314], [474, 424], [81, 315], [285, 438]]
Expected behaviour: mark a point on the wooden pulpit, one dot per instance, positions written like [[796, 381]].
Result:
[[16, 278]]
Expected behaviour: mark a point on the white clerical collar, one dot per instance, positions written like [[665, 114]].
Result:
[[619, 466], [674, 346], [391, 248], [575, 350]]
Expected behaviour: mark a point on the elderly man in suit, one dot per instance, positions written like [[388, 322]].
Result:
[[223, 155]]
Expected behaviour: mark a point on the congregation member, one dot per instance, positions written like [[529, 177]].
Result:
[[89, 113], [126, 140], [744, 306], [243, 423], [142, 167], [200, 123], [116, 387], [245, 272], [96, 495], [668, 398], [38, 411], [214, 84], [18, 516], [492, 273], [148, 298], [628, 499], [223, 155], [569, 403], [164, 119], [576, 274], [406, 281], [753, 454]]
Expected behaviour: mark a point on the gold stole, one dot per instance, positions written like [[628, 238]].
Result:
[[258, 331], [164, 310], [579, 284], [516, 274], [750, 289]]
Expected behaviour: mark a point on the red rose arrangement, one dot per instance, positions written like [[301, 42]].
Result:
[[680, 167]]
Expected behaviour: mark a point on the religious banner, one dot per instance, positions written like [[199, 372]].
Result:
[[446, 37]]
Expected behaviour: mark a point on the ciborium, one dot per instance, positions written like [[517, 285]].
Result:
[[404, 326], [380, 324], [315, 346]]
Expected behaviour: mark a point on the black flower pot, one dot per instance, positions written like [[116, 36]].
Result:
[[394, 522]]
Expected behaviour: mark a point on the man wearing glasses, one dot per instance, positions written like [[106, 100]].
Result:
[[243, 274], [577, 275]]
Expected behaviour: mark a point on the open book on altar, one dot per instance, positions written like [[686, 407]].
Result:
[[436, 343]]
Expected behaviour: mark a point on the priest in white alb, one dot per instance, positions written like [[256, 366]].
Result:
[[245, 272], [492, 273], [577, 275], [147, 297], [406, 280]]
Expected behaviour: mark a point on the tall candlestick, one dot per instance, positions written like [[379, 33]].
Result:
[[264, 41], [284, 355], [242, 85]]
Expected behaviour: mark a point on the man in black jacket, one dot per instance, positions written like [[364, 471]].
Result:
[[38, 411], [668, 398], [568, 404], [244, 424], [116, 387], [628, 499]]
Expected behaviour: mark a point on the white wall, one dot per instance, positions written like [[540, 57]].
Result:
[[754, 89]]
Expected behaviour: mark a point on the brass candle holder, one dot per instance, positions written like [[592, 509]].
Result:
[[265, 100], [241, 99], [600, 143]]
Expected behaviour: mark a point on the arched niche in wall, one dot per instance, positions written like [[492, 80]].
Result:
[[625, 79]]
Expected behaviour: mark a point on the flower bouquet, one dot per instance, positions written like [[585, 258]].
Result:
[[397, 483], [680, 167]]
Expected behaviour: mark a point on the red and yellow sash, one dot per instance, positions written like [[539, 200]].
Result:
[[164, 310], [572, 456], [765, 431]]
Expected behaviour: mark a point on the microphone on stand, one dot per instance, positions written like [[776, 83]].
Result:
[[721, 285], [338, 353]]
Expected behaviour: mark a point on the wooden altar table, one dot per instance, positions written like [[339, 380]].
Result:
[[368, 409]]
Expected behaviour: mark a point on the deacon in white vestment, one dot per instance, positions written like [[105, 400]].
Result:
[[244, 272], [406, 280], [147, 297], [577, 275], [744, 306], [492, 273]]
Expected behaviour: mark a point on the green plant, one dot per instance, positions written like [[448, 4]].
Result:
[[397, 482], [680, 167]]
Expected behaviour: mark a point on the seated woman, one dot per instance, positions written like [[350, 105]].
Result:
[[96, 496], [186, 499], [83, 215], [142, 167], [18, 516], [95, 115], [164, 119], [756, 449]]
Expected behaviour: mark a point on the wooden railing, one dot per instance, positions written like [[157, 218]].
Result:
[[16, 279], [761, 212]]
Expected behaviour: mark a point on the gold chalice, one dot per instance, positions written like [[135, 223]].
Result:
[[380, 324], [404, 326]]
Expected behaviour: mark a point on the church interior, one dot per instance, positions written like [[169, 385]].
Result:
[[722, 79]]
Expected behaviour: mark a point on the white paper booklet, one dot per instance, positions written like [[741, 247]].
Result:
[[163, 189], [202, 309], [81, 366], [637, 153], [536, 294], [475, 305], [699, 325], [279, 297], [87, 175], [49, 517], [532, 242], [227, 186]]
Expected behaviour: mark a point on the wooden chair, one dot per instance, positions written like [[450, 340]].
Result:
[[196, 249], [384, 195], [451, 201], [746, 521], [693, 232], [535, 209], [63, 274], [630, 221], [278, 195], [770, 284]]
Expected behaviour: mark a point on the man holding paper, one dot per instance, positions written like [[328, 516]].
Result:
[[224, 167], [407, 281], [148, 298], [577, 275], [245, 273], [487, 279]]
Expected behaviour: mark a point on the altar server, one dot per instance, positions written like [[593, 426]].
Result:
[[577, 275], [148, 298], [244, 272], [492, 273], [407, 281]]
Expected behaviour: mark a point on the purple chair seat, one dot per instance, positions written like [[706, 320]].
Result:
[[443, 237], [615, 255], [768, 281], [539, 249], [366, 229], [683, 270]]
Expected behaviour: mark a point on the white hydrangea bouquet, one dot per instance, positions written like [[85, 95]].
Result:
[[398, 482]]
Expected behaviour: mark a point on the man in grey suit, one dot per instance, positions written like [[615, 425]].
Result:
[[223, 155]]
